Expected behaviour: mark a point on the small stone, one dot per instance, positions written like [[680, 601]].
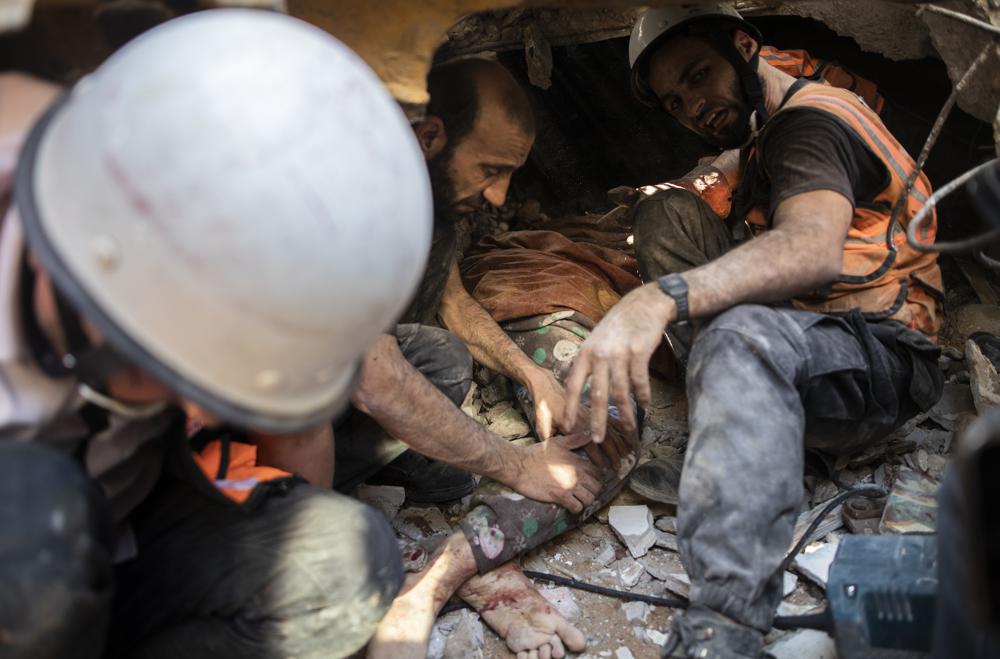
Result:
[[656, 637], [386, 498], [629, 571], [824, 491], [678, 583], [804, 643], [606, 554], [661, 564], [790, 609], [457, 635], [419, 523], [636, 611], [624, 653], [667, 524], [984, 380], [563, 599], [789, 583], [956, 399], [815, 565], [507, 422], [666, 540], [649, 436], [634, 525], [953, 354], [922, 460]]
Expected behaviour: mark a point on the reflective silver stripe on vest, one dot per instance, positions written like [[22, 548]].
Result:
[[920, 196]]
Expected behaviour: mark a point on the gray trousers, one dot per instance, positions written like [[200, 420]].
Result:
[[763, 384]]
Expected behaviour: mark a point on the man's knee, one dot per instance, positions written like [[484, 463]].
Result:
[[339, 576], [55, 568], [746, 336], [440, 356], [674, 231]]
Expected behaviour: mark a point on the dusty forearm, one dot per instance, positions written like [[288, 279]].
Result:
[[488, 343], [412, 410], [777, 266], [308, 454]]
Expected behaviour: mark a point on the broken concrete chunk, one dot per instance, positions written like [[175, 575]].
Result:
[[605, 555], [466, 641], [563, 599], [624, 653], [661, 564], [956, 400], [457, 635], [634, 525], [912, 504], [678, 583], [666, 540], [824, 491], [656, 637], [804, 643], [790, 609], [667, 524], [497, 391], [386, 498], [814, 562], [983, 378], [636, 611], [507, 422], [419, 523], [629, 571]]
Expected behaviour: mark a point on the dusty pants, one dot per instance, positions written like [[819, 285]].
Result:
[[763, 384], [362, 446]]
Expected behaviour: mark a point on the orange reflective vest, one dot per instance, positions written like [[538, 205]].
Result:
[[882, 275], [231, 466], [800, 64]]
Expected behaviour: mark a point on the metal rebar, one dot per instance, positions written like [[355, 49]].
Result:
[[953, 246], [959, 16], [929, 144]]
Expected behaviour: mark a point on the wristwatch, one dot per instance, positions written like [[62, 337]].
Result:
[[675, 286]]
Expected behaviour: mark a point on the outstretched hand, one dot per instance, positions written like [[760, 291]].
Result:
[[616, 359], [549, 471]]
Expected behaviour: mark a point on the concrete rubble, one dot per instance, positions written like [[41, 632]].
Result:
[[386, 498], [634, 525], [804, 643], [457, 635], [814, 562], [636, 611], [563, 599]]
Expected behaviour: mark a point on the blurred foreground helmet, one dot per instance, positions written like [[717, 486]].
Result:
[[238, 205]]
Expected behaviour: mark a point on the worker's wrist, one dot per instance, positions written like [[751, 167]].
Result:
[[507, 461], [664, 306]]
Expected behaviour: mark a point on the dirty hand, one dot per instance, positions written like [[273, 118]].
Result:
[[549, 471], [616, 358], [549, 400]]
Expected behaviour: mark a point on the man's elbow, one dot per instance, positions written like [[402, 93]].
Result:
[[829, 267]]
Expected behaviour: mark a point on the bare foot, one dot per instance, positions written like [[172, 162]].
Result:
[[510, 605], [406, 628]]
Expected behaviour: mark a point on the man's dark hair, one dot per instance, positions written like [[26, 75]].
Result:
[[456, 92]]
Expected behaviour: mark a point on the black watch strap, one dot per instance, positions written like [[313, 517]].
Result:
[[675, 286]]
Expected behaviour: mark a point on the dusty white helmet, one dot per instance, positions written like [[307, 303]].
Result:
[[654, 25], [239, 206]]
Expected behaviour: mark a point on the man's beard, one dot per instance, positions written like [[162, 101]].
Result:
[[739, 132], [442, 185]]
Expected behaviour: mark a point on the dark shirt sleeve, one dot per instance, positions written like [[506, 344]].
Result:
[[808, 150]]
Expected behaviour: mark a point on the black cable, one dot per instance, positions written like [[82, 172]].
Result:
[[672, 602], [869, 491]]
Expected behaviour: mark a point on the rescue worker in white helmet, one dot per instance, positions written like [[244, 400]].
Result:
[[813, 327], [182, 234]]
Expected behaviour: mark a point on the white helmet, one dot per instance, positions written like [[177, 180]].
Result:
[[238, 205], [654, 25]]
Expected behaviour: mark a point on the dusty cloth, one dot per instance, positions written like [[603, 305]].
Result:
[[503, 524], [527, 273], [362, 447], [763, 383]]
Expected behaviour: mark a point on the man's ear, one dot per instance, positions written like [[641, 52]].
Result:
[[431, 135], [745, 44]]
